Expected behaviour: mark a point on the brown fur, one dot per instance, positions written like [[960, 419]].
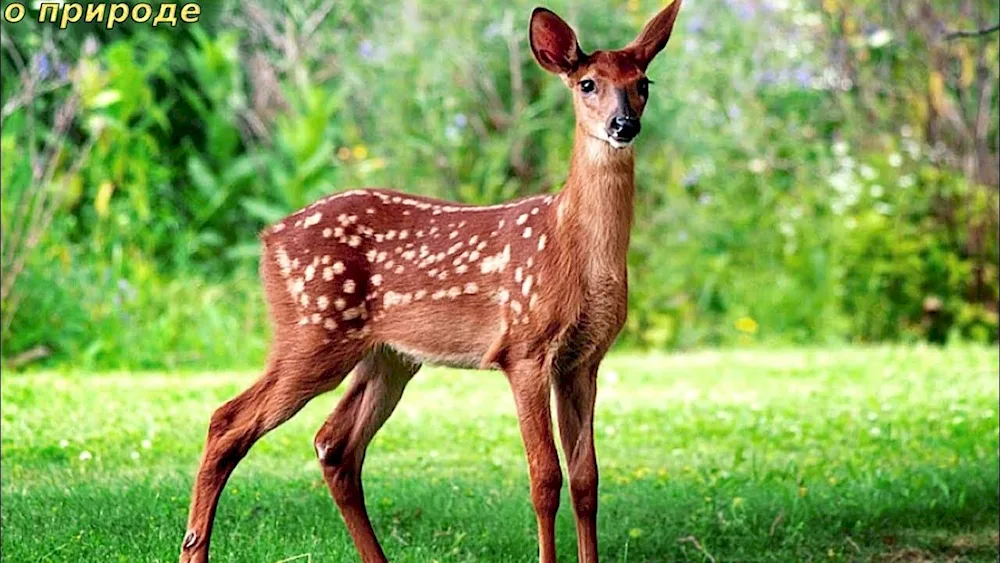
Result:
[[380, 281]]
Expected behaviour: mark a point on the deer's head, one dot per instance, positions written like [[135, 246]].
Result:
[[610, 88]]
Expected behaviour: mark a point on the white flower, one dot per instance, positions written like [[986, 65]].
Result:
[[757, 166], [877, 190], [146, 444], [906, 181], [840, 148], [895, 160], [63, 443], [867, 172], [875, 431], [134, 455], [86, 456], [880, 38]]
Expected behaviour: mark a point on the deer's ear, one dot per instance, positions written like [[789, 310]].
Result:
[[553, 42], [654, 36]]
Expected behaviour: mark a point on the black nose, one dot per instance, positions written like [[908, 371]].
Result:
[[623, 127]]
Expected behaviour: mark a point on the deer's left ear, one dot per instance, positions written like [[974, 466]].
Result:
[[553, 42], [654, 36]]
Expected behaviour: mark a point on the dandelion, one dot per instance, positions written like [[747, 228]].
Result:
[[359, 152], [635, 533], [86, 456], [746, 325]]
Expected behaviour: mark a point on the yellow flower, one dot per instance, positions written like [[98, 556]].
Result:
[[635, 533], [102, 202], [632, 5], [360, 152], [737, 502], [803, 491], [747, 325]]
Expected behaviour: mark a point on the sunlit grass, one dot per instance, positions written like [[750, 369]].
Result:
[[785, 456]]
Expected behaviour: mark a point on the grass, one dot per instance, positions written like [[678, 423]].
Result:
[[885, 453]]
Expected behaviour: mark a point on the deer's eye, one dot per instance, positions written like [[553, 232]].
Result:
[[587, 86], [643, 87]]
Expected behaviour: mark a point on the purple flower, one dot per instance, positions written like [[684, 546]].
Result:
[[461, 121], [696, 24], [804, 76], [44, 65], [63, 71], [366, 50]]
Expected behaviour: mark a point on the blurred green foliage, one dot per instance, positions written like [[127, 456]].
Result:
[[808, 172]]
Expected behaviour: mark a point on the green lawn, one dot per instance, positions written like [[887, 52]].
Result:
[[852, 454]]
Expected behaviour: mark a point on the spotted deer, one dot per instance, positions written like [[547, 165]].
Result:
[[379, 282]]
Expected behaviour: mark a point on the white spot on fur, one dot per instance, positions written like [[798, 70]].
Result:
[[327, 232], [338, 267], [496, 263], [522, 219], [339, 304], [541, 242], [310, 272], [278, 228], [471, 288], [526, 286], [312, 220], [322, 302], [527, 232]]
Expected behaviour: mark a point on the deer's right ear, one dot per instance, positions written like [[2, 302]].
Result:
[[553, 42]]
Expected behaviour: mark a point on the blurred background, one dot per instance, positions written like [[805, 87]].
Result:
[[809, 172]]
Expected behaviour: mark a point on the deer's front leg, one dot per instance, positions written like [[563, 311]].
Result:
[[576, 394], [531, 395]]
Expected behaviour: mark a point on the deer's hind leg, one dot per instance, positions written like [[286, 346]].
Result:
[[343, 439], [296, 372]]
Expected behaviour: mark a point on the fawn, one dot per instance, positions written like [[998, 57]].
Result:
[[379, 282]]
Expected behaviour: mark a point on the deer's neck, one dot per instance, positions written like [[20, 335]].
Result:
[[596, 206]]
